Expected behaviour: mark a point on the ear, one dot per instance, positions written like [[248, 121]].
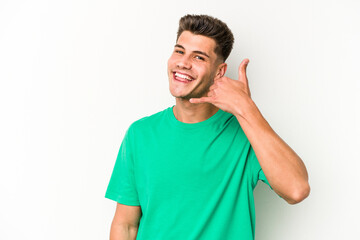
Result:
[[221, 70]]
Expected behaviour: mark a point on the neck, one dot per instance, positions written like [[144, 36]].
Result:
[[187, 112]]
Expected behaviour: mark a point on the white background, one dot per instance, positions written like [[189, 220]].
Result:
[[75, 74]]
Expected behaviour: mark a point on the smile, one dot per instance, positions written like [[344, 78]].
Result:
[[182, 77]]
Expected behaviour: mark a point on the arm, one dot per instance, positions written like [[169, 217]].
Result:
[[125, 223], [282, 167]]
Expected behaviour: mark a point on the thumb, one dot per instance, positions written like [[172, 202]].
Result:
[[242, 70]]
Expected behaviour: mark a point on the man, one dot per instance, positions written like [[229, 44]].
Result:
[[189, 172]]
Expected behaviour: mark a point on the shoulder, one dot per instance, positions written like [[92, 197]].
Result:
[[150, 121]]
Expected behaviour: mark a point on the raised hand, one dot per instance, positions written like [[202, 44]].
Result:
[[230, 95]]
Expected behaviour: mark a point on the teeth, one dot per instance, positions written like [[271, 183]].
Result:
[[183, 76]]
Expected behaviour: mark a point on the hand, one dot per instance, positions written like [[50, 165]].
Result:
[[230, 95]]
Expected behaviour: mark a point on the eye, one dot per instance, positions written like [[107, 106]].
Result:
[[199, 57], [179, 51]]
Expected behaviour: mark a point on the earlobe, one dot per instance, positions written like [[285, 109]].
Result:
[[222, 69], [219, 74]]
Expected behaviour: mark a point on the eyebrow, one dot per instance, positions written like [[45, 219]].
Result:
[[196, 51]]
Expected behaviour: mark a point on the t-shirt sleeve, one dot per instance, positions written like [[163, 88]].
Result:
[[122, 188], [257, 172]]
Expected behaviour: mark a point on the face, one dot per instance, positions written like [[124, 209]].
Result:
[[193, 66]]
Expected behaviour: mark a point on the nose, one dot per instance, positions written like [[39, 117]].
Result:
[[184, 63]]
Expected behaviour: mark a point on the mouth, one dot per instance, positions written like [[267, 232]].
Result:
[[182, 77]]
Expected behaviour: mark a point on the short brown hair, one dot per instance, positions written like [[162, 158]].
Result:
[[210, 27]]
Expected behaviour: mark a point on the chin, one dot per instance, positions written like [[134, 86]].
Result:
[[182, 96]]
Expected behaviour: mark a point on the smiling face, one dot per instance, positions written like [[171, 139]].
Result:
[[193, 66]]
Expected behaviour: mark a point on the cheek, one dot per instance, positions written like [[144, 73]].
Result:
[[205, 73], [171, 60]]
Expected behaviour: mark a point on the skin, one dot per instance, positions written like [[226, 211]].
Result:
[[125, 223], [199, 99], [205, 69], [283, 168]]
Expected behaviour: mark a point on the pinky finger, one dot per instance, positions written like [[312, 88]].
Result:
[[201, 100]]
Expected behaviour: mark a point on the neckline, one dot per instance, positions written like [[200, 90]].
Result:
[[197, 125]]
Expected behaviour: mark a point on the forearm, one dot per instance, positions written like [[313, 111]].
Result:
[[123, 232], [283, 168]]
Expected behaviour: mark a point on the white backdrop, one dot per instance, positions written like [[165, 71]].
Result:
[[75, 74]]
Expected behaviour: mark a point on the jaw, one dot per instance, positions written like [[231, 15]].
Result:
[[187, 90], [186, 84]]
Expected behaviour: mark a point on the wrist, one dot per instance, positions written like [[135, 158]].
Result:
[[251, 117], [246, 110]]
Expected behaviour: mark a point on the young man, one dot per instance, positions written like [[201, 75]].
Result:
[[189, 172]]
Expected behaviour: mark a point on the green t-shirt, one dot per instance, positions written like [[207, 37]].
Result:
[[192, 181]]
